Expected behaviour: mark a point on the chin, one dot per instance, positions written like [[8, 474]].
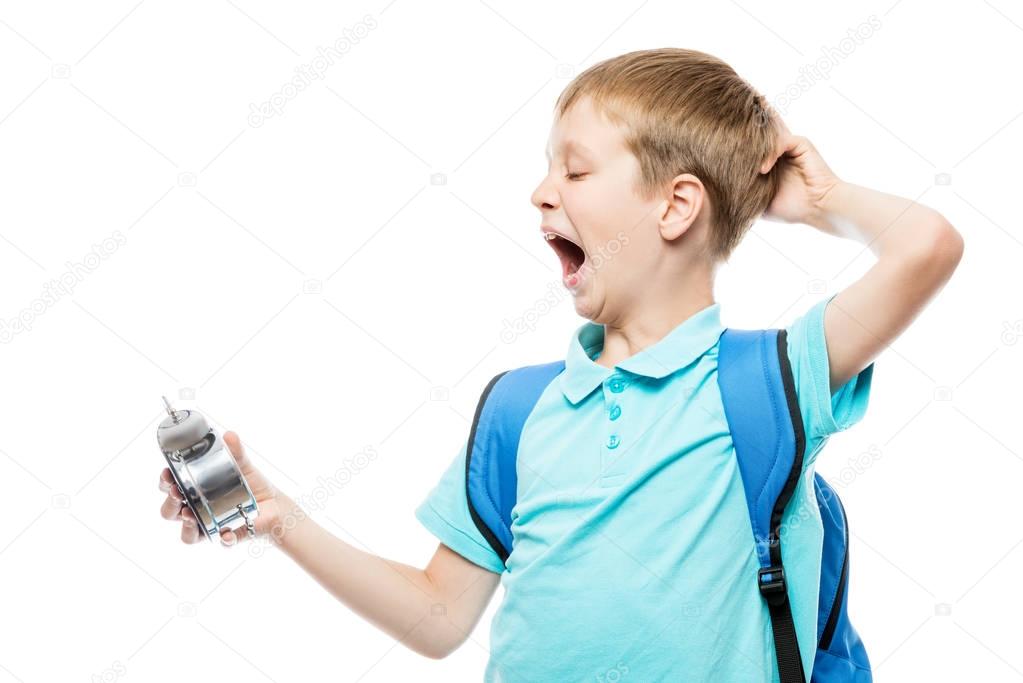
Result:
[[585, 307]]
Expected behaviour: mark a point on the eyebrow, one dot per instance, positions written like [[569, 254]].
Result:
[[571, 146]]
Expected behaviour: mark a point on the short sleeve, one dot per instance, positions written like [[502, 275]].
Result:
[[445, 514], [823, 413]]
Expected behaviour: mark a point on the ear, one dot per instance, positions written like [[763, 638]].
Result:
[[682, 207]]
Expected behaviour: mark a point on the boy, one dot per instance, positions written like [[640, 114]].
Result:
[[633, 555]]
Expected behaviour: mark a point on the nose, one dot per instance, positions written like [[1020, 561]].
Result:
[[545, 196]]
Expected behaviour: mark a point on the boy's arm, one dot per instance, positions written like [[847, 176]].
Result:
[[431, 611], [916, 248]]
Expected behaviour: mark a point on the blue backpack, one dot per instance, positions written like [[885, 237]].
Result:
[[759, 396]]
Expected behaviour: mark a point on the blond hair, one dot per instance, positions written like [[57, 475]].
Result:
[[685, 111]]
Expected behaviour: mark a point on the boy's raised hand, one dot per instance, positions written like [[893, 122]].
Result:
[[914, 261], [174, 508], [804, 182]]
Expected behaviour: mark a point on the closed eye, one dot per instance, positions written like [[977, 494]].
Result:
[[574, 176]]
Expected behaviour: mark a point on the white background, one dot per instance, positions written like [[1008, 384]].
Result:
[[313, 290]]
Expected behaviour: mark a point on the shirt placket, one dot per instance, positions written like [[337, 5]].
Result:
[[614, 391]]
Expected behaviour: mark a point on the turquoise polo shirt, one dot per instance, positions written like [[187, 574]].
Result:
[[633, 553]]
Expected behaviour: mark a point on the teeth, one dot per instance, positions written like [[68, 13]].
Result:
[[549, 236]]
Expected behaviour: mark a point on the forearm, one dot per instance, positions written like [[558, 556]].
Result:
[[890, 226], [917, 251], [394, 597]]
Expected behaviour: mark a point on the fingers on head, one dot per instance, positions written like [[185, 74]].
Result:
[[772, 160], [797, 144], [787, 144]]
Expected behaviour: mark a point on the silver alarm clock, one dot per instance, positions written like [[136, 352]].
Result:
[[206, 473]]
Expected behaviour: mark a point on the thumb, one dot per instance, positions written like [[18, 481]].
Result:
[[234, 445], [259, 485]]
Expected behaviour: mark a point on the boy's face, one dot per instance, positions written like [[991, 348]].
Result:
[[607, 236]]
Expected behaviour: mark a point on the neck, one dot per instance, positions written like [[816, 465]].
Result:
[[656, 313]]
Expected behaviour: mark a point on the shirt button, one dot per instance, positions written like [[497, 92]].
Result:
[[615, 413], [616, 385], [613, 441]]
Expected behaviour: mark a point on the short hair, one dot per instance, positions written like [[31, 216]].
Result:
[[685, 111]]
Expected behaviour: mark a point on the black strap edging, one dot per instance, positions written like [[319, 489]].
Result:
[[771, 580], [484, 530], [843, 579]]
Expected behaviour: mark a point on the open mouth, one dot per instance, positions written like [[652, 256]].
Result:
[[571, 254]]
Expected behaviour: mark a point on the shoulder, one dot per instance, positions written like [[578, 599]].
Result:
[[824, 411]]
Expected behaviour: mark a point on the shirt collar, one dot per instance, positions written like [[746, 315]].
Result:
[[680, 347]]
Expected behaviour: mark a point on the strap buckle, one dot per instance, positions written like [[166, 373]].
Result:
[[772, 584]]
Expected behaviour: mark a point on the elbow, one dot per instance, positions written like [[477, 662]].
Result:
[[939, 252], [436, 650], [427, 647], [432, 653], [436, 640], [949, 246]]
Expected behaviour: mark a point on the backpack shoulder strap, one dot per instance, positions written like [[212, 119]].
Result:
[[759, 397], [490, 475]]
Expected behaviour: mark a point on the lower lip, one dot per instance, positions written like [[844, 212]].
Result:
[[575, 279]]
